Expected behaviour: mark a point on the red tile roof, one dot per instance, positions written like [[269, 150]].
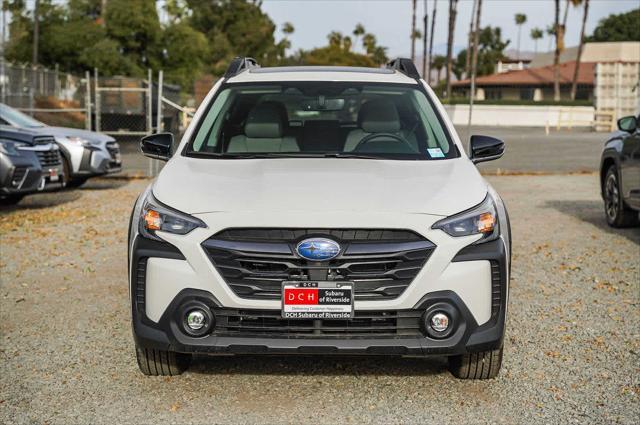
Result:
[[536, 76]]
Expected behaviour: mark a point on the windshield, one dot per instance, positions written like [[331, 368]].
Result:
[[318, 119], [16, 118]]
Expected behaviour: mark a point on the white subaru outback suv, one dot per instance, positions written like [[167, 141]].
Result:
[[320, 210]]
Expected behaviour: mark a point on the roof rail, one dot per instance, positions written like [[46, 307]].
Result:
[[239, 64], [404, 65]]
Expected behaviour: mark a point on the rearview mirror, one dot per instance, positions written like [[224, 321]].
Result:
[[628, 124], [157, 146], [485, 148]]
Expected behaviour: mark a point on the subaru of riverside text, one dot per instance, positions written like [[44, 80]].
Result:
[[320, 210]]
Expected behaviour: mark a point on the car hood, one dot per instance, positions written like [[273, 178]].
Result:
[[92, 136], [295, 184]]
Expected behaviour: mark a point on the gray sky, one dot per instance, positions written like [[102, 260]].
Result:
[[390, 20]]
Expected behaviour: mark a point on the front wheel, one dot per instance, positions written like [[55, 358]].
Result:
[[161, 363], [617, 212], [480, 365]]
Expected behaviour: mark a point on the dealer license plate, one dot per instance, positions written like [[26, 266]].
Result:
[[317, 300]]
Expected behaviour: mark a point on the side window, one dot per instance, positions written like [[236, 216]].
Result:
[[210, 126], [435, 134]]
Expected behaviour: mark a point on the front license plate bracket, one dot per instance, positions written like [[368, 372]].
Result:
[[317, 300]]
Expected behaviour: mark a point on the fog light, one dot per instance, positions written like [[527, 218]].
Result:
[[439, 322], [196, 319]]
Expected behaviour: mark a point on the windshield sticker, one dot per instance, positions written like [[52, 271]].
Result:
[[435, 153]]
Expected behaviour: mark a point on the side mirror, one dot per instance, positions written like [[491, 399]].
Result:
[[485, 148], [628, 124], [157, 146]]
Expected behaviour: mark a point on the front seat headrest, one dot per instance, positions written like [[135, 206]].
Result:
[[379, 116], [264, 122]]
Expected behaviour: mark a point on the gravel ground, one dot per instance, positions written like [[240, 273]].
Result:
[[572, 345]]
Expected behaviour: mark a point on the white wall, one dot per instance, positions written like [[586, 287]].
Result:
[[520, 116]]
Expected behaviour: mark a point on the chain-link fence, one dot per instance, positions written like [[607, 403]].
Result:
[[124, 107], [47, 94]]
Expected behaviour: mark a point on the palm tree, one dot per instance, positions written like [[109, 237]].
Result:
[[574, 83], [358, 32], [288, 28], [556, 55], [536, 34], [551, 32], [521, 18], [369, 43], [425, 22], [413, 31], [439, 62], [453, 10], [433, 26]]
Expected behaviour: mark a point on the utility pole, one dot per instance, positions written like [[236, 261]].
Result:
[[474, 66], [433, 26], [424, 43], [3, 75], [36, 32], [413, 32]]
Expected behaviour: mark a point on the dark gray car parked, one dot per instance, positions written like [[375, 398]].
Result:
[[29, 162], [620, 174]]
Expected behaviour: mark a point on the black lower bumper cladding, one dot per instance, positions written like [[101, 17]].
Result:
[[248, 331]]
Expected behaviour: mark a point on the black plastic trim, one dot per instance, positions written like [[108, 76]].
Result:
[[167, 334], [494, 329], [404, 65]]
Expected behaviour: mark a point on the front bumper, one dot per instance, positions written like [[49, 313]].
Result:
[[409, 339], [98, 160], [20, 175]]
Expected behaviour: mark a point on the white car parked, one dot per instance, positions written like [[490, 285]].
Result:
[[320, 210]]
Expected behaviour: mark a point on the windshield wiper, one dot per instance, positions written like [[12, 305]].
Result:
[[241, 155], [351, 155]]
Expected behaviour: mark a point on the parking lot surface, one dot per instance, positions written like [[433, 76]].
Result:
[[572, 344], [528, 149]]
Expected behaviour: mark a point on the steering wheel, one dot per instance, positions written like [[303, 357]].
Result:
[[374, 136]]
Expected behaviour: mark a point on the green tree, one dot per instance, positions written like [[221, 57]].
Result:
[[536, 34], [622, 27], [135, 26], [439, 62], [358, 32], [236, 28], [490, 50], [185, 53]]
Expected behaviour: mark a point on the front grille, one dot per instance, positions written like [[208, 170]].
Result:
[[381, 263], [43, 140], [365, 324], [19, 174], [50, 158]]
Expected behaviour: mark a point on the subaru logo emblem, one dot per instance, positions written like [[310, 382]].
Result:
[[318, 249]]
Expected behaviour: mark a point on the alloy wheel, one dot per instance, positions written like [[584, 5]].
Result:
[[611, 197]]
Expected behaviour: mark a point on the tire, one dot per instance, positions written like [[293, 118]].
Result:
[[77, 182], [161, 363], [480, 365], [11, 199], [618, 214], [69, 181]]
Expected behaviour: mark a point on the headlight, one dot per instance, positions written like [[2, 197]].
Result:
[[156, 216], [78, 141], [10, 148], [481, 219]]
